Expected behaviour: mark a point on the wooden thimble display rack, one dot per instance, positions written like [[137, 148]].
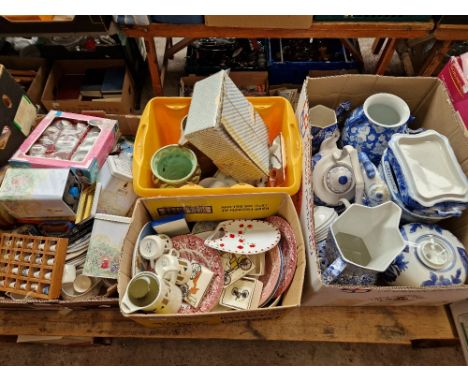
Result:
[[32, 265]]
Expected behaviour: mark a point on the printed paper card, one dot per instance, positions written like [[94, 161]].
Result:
[[197, 286]]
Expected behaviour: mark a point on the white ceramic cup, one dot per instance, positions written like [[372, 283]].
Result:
[[82, 283], [173, 268], [154, 246], [151, 293]]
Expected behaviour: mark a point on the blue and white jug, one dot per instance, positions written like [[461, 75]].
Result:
[[370, 126]]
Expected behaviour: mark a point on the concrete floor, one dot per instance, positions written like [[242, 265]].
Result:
[[224, 352]]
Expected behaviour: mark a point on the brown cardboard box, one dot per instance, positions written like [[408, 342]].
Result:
[[430, 104], [128, 125], [249, 83], [272, 21], [124, 106], [17, 115], [216, 207], [34, 91]]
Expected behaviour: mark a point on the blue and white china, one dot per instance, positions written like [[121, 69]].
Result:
[[336, 174], [407, 216], [427, 172], [362, 242], [370, 126], [323, 124], [323, 218], [375, 189], [432, 257]]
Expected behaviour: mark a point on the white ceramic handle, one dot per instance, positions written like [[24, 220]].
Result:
[[358, 179], [124, 305]]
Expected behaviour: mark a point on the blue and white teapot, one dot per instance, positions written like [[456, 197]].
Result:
[[370, 126], [336, 174]]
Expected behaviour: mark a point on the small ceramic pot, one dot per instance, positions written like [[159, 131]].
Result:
[[174, 166], [362, 242], [173, 268], [371, 125], [432, 257]]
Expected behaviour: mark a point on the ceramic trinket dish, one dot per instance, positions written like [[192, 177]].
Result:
[[431, 186], [371, 126], [244, 237], [336, 174], [432, 256]]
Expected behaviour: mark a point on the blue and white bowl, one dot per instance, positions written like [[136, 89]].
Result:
[[429, 179], [432, 257], [402, 194]]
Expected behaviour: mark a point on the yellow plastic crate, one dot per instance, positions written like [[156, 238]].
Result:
[[160, 126]]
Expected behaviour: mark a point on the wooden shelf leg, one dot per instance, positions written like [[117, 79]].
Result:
[[437, 53], [386, 56], [153, 66], [377, 45]]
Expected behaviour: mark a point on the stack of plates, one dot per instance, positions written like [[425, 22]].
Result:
[[76, 252], [323, 219]]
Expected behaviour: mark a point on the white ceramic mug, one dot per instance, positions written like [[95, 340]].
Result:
[[151, 293], [173, 268], [154, 246]]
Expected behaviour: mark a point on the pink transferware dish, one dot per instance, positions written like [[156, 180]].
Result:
[[288, 246], [193, 249], [244, 237], [271, 278]]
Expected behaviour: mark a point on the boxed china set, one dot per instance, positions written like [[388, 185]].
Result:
[[384, 192]]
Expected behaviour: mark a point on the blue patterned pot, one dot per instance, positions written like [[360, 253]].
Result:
[[323, 124], [432, 257], [365, 128]]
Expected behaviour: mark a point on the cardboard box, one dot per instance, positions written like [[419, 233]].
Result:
[[272, 21], [39, 65], [430, 104], [123, 106], [224, 125], [249, 83], [87, 168], [38, 193], [216, 207], [17, 115]]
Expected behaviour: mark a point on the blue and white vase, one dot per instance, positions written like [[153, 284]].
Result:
[[323, 124], [370, 126]]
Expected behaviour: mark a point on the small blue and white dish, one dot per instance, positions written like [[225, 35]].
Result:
[[433, 256]]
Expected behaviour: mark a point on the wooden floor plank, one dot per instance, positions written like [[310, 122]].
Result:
[[391, 325]]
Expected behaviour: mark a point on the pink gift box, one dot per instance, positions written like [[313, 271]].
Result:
[[88, 168], [457, 85]]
